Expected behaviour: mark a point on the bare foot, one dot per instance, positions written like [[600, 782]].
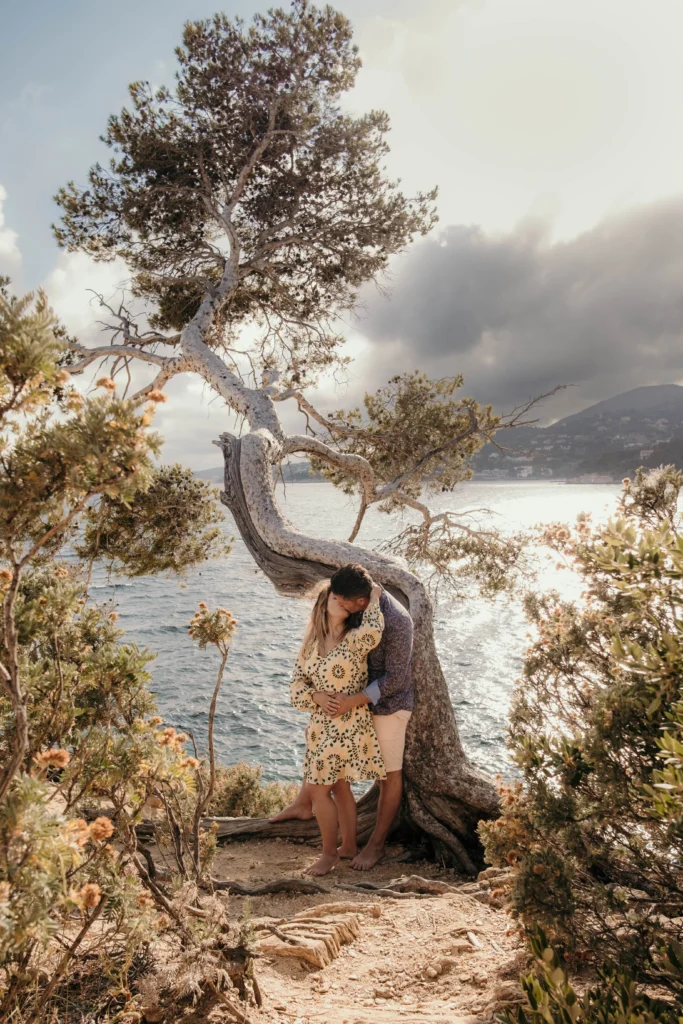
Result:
[[367, 858], [302, 811], [325, 863], [347, 852]]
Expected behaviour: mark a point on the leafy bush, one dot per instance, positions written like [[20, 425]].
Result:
[[240, 793], [81, 901], [616, 999], [594, 827]]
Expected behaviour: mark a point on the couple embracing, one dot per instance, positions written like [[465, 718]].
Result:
[[353, 675]]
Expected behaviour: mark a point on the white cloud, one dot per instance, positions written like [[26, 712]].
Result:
[[527, 107], [561, 110], [10, 255], [69, 287]]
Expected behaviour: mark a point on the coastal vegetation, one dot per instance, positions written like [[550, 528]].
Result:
[[250, 209], [81, 749], [246, 198], [594, 828]]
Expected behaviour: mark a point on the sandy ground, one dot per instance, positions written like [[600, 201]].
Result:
[[381, 976]]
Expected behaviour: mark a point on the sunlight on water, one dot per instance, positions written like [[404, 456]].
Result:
[[480, 643]]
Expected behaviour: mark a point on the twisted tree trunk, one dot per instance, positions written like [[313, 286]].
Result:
[[445, 795]]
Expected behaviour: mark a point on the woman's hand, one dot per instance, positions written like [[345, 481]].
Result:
[[327, 702], [348, 701], [375, 593]]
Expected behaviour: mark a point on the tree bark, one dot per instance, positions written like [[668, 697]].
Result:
[[445, 795]]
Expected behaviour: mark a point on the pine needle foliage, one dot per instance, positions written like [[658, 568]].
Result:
[[251, 208], [251, 152], [173, 524]]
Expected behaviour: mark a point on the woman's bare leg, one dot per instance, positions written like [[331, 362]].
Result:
[[325, 811], [348, 818], [301, 808]]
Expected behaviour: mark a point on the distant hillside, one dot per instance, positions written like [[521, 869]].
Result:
[[657, 400], [294, 473], [607, 441]]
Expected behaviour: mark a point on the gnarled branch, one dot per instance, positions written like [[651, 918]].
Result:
[[90, 355]]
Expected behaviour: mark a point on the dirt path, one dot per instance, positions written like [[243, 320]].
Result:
[[415, 962]]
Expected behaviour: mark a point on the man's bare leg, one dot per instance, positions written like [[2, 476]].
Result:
[[301, 808], [390, 792]]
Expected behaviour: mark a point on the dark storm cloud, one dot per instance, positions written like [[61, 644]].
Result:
[[518, 315]]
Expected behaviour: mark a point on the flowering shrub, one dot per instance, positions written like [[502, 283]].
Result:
[[81, 752], [593, 829]]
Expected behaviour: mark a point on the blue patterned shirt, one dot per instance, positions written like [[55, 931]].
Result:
[[391, 686]]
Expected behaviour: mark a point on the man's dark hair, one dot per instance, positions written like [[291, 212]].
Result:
[[352, 581]]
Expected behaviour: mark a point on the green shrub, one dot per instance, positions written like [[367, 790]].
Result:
[[79, 904], [241, 794], [594, 827], [615, 999]]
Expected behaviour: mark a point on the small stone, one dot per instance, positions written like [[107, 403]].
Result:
[[383, 993], [460, 946], [508, 990], [431, 972], [353, 977]]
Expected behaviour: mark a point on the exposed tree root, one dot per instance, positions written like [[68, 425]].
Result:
[[267, 888], [412, 884], [399, 888]]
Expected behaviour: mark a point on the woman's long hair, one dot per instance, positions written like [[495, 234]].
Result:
[[318, 626]]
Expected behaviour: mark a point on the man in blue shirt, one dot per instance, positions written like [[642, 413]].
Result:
[[390, 695]]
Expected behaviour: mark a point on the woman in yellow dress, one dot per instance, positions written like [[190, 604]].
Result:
[[339, 750]]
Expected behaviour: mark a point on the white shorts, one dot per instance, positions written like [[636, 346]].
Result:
[[391, 734]]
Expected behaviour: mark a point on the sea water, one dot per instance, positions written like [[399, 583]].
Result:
[[480, 642]]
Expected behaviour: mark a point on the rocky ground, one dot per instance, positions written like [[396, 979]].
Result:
[[439, 958]]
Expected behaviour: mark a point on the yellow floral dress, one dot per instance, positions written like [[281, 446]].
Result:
[[345, 747]]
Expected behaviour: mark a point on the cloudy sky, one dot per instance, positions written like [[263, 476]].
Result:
[[550, 126]]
